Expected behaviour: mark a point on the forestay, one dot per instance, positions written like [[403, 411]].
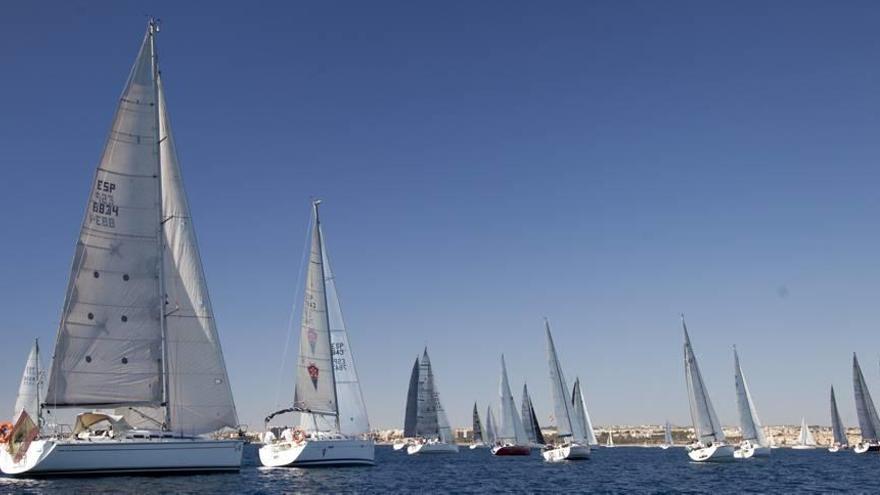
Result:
[[706, 424], [748, 415], [865, 410]]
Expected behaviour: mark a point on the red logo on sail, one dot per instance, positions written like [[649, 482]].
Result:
[[313, 338], [313, 374]]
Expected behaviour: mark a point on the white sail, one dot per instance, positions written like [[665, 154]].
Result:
[[28, 398], [706, 424], [491, 432], [838, 431], [511, 429], [748, 416], [350, 401], [667, 434], [582, 423], [559, 390], [443, 427], [200, 395], [108, 349], [806, 436], [315, 386]]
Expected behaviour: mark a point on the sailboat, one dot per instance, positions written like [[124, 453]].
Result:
[[478, 434], [667, 437], [805, 439], [28, 399], [568, 445], [869, 422], [754, 442], [838, 432], [582, 423], [512, 438], [710, 443], [530, 420], [609, 441], [433, 434], [333, 417], [412, 409], [137, 337]]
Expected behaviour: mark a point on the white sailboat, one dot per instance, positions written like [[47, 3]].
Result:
[[838, 431], [530, 420], [137, 334], [805, 438], [609, 441], [582, 424], [667, 437], [512, 438], [710, 444], [869, 422], [754, 442], [568, 445], [333, 418], [479, 435], [432, 431]]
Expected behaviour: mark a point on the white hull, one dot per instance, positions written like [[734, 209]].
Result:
[[570, 452], [836, 448], [75, 457], [331, 452], [747, 450], [665, 446], [803, 447], [432, 448], [862, 447], [399, 445], [477, 446], [713, 453]]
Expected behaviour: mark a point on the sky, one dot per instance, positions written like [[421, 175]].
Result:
[[607, 165]]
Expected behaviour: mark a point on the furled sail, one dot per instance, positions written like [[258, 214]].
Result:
[[28, 398], [748, 416], [410, 420], [352, 410], [837, 429], [491, 433], [315, 386], [108, 351], [200, 395], [706, 424], [530, 420], [582, 424], [478, 426], [427, 424], [511, 429], [559, 390], [865, 410]]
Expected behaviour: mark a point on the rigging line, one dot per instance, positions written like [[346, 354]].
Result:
[[290, 322]]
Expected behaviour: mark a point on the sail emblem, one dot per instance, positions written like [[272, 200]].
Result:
[[313, 338], [313, 374]]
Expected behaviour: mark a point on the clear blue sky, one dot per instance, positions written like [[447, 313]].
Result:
[[483, 164]]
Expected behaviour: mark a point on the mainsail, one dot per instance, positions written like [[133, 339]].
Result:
[[511, 429], [559, 390], [806, 436], [583, 425], [410, 420], [28, 398], [865, 410], [837, 429], [706, 424], [478, 426], [530, 419], [431, 420], [350, 401], [748, 416]]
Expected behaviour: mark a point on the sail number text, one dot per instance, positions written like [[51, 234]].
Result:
[[104, 209]]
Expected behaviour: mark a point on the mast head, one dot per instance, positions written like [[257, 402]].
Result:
[[153, 24]]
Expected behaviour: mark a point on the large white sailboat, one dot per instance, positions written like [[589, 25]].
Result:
[[869, 422], [838, 431], [582, 424], [333, 418], [512, 438], [530, 420], [137, 346], [433, 435], [754, 442], [710, 444], [805, 439], [568, 445]]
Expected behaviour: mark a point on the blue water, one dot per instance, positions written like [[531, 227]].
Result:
[[621, 469]]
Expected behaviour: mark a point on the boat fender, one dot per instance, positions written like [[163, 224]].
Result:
[[5, 431]]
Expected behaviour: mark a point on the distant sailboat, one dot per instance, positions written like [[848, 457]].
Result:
[[432, 431], [582, 424], [838, 431], [28, 399], [754, 442], [568, 446], [710, 443], [137, 337], [869, 422], [333, 418], [667, 437], [530, 419], [478, 434], [609, 440], [805, 439], [512, 438]]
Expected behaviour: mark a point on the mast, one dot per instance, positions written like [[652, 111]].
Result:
[[315, 205]]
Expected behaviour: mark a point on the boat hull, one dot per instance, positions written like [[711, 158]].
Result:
[[432, 448], [861, 448], [803, 447], [399, 446], [747, 450], [331, 452], [836, 448], [561, 453], [712, 453], [101, 457], [511, 450]]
